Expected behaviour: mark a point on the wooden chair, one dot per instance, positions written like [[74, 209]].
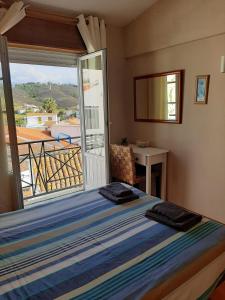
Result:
[[123, 165]]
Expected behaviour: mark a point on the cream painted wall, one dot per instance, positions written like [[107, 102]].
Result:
[[116, 82], [173, 22], [196, 166], [142, 96]]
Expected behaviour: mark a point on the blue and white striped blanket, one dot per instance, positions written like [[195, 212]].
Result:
[[85, 247]]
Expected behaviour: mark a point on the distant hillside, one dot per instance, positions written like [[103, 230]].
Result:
[[65, 95]]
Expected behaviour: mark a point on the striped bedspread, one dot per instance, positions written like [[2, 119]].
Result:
[[85, 247]]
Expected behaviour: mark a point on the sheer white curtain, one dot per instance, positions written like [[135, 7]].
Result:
[[10, 17], [93, 32]]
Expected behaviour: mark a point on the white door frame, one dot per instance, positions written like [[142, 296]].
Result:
[[17, 188], [103, 54]]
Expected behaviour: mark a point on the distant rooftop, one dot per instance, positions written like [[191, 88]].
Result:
[[30, 134], [41, 114], [70, 121]]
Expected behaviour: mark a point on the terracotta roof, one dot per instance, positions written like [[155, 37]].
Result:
[[49, 123], [64, 165], [64, 169], [30, 134], [86, 86], [70, 121], [74, 121]]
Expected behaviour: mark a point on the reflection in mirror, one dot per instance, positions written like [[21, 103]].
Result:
[[158, 97], [93, 105]]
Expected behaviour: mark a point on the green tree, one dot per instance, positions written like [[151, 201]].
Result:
[[20, 121], [62, 115], [49, 105]]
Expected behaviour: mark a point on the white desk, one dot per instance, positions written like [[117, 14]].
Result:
[[150, 156]]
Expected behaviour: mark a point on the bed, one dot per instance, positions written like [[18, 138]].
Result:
[[86, 247]]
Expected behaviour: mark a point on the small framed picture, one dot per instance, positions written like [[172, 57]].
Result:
[[202, 89]]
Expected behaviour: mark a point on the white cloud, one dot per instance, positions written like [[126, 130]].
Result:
[[22, 73]]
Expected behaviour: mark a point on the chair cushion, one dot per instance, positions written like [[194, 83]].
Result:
[[122, 163]]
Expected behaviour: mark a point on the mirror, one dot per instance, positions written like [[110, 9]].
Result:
[[158, 97]]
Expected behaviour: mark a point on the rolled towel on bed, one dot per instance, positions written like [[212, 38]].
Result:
[[173, 215], [117, 193]]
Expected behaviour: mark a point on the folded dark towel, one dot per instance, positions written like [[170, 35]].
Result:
[[117, 189], [173, 215], [117, 200], [172, 211]]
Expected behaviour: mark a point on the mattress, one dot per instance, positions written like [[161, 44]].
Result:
[[86, 247]]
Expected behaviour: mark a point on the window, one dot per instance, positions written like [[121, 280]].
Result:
[[49, 118], [171, 96], [91, 117]]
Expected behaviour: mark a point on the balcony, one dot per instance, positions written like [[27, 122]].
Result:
[[49, 166], [54, 166]]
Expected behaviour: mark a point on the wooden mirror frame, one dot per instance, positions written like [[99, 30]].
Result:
[[179, 102]]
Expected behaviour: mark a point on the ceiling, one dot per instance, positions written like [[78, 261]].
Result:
[[115, 12]]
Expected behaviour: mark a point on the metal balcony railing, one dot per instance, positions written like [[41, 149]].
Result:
[[52, 165]]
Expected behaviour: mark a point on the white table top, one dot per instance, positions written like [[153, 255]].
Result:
[[148, 151]]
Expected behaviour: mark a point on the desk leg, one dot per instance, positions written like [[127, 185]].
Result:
[[148, 179], [163, 177]]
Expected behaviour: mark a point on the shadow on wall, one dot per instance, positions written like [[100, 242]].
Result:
[[175, 164]]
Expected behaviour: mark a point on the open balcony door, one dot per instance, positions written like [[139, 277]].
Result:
[[10, 181], [94, 119]]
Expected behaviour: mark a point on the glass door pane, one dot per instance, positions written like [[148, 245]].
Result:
[[94, 114]]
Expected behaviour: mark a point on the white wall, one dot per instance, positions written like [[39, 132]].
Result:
[[33, 121]]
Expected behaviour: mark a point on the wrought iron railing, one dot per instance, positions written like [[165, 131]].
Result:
[[52, 165]]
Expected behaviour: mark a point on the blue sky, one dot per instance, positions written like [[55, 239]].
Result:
[[23, 73]]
